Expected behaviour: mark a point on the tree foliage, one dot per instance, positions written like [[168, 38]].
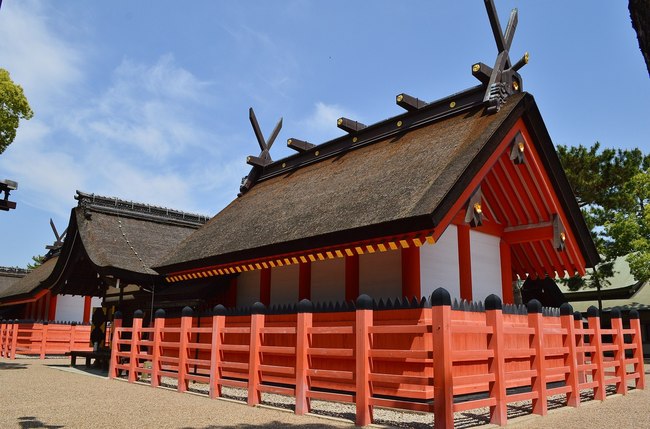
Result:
[[37, 261], [612, 187], [13, 108]]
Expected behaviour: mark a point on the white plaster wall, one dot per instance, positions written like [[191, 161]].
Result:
[[248, 288], [486, 265], [328, 280], [439, 264], [380, 274], [70, 308], [284, 284]]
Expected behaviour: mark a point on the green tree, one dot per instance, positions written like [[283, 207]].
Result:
[[13, 108], [612, 187], [37, 261]]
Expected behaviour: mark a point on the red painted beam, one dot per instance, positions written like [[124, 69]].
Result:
[[527, 235], [351, 277], [464, 262], [87, 303], [304, 280], [265, 286], [411, 272]]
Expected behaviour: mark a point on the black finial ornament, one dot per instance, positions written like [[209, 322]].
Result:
[[503, 79], [258, 162], [6, 186]]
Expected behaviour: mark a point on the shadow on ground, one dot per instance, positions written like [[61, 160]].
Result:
[[30, 422], [273, 424], [12, 365]]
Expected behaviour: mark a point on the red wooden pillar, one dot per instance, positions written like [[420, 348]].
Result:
[[635, 324], [14, 339], [411, 272], [443, 382], [265, 286], [506, 272], [619, 355], [304, 321], [87, 304], [116, 332], [135, 345], [51, 314], [254, 379], [571, 379], [231, 298], [158, 328], [596, 341], [536, 321], [464, 262], [580, 344], [351, 277], [183, 349], [43, 349], [304, 280], [363, 367], [28, 310], [218, 325], [496, 365]]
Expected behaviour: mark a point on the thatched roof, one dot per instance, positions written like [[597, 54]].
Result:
[[640, 15], [25, 286], [9, 276], [116, 238], [403, 182]]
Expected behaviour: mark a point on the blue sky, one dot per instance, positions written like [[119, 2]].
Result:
[[148, 100]]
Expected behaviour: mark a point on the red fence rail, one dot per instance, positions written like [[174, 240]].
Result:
[[42, 338], [405, 355]]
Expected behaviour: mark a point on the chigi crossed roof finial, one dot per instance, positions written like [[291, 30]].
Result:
[[264, 159], [502, 80]]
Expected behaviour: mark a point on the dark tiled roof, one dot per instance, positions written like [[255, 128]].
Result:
[[29, 283], [393, 185]]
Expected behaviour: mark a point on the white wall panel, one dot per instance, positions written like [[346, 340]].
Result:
[[380, 274], [328, 280], [248, 288], [69, 308], [439, 264], [486, 265], [284, 284]]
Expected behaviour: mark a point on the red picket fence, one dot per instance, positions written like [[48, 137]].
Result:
[[32, 338], [404, 355]]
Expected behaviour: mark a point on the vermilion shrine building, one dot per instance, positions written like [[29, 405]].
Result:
[[460, 193]]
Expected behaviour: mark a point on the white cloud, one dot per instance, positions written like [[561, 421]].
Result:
[[320, 124], [41, 62]]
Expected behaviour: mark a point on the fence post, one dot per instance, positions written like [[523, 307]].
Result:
[[536, 321], [304, 320], [183, 348], [44, 329], [364, 316], [496, 365], [443, 382], [596, 341], [135, 345], [3, 325], [621, 371], [635, 324], [14, 339], [571, 378], [158, 326], [257, 323], [116, 328], [73, 331], [580, 343], [218, 324]]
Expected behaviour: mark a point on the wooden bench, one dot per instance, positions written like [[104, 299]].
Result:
[[102, 357]]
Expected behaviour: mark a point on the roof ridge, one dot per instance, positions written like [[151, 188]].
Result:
[[117, 205]]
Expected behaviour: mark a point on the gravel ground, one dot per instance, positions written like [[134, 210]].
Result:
[[48, 394]]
